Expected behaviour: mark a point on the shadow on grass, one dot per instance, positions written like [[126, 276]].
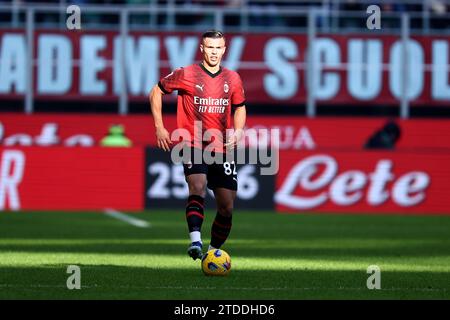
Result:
[[170, 224], [288, 249], [120, 282]]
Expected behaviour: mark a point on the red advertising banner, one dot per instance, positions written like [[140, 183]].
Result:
[[350, 68], [75, 129], [71, 178], [363, 182], [296, 133], [333, 182]]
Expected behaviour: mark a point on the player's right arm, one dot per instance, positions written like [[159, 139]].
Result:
[[173, 81], [162, 135]]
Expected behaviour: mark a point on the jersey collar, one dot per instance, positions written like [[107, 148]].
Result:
[[212, 75]]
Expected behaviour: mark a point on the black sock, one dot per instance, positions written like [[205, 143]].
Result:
[[220, 230], [194, 213]]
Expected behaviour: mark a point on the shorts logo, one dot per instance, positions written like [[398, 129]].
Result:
[[189, 165], [226, 88]]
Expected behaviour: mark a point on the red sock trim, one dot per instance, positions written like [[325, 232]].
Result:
[[194, 213], [227, 226], [218, 236], [198, 203]]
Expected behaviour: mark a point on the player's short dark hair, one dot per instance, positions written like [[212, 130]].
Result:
[[215, 34]]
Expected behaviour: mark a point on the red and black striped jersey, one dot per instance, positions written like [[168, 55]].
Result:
[[205, 97]]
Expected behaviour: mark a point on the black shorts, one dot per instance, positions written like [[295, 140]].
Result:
[[218, 175]]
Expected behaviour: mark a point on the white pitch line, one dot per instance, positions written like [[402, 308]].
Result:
[[125, 218]]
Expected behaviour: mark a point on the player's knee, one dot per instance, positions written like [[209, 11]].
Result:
[[197, 187], [225, 210]]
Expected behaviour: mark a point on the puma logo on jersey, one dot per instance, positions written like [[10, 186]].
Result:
[[200, 87]]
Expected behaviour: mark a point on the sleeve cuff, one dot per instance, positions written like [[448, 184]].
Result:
[[238, 105], [162, 88]]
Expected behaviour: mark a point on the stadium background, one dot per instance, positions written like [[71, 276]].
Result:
[[62, 89]]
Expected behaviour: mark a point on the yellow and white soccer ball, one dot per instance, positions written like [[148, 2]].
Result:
[[216, 262]]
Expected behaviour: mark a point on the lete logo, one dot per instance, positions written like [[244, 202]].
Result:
[[12, 167], [47, 137], [347, 188]]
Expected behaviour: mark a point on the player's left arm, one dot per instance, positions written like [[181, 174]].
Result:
[[240, 114]]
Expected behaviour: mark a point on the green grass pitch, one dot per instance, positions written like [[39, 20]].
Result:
[[274, 256]]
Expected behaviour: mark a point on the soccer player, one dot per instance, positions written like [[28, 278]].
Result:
[[207, 92]]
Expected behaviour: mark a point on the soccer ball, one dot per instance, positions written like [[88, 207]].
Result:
[[216, 262]]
